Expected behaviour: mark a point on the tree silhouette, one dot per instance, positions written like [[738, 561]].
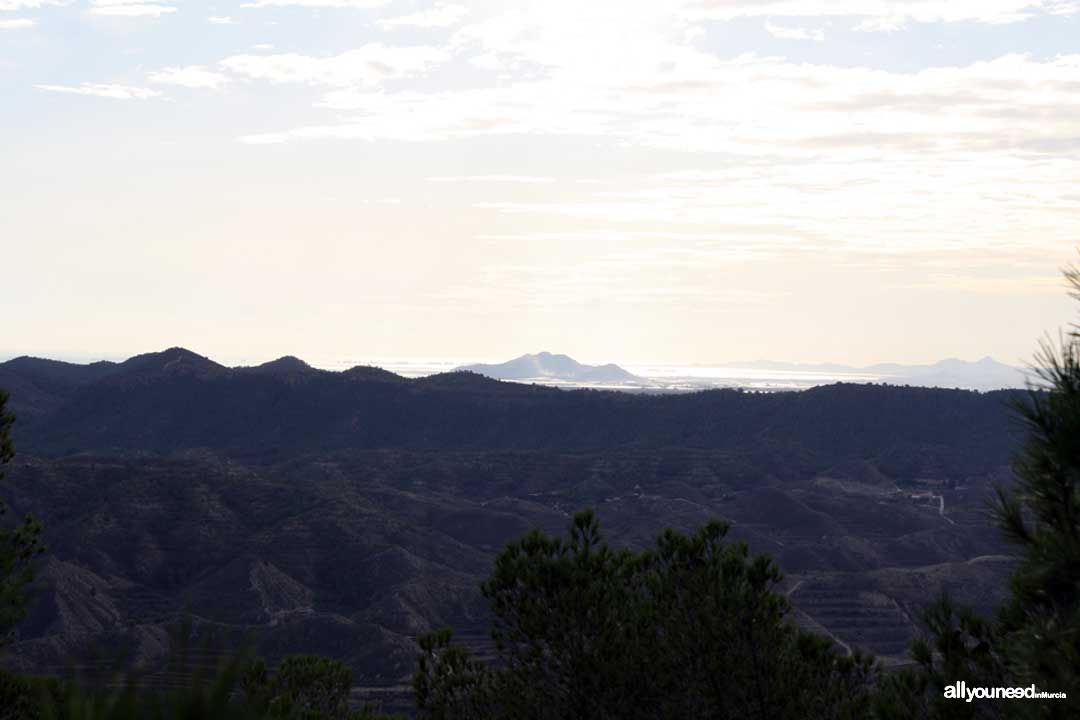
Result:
[[19, 545], [693, 628], [1035, 639]]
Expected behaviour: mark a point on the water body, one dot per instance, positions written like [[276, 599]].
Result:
[[654, 377]]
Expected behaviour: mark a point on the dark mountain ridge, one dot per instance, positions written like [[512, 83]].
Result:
[[177, 400], [285, 365], [42, 385]]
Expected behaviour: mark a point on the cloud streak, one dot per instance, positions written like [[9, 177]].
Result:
[[129, 8], [885, 14], [354, 4], [745, 106], [369, 65], [13, 5], [521, 179], [440, 16], [784, 32], [103, 90], [191, 76]]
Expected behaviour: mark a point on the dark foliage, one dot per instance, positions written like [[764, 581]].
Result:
[[19, 545], [1035, 639], [302, 688], [694, 628]]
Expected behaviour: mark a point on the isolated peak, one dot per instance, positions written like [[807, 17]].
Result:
[[171, 360], [285, 363]]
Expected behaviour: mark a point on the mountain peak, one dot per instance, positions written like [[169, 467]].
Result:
[[283, 365], [546, 366], [370, 372], [175, 360]]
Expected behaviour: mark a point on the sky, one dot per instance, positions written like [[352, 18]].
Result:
[[686, 181]]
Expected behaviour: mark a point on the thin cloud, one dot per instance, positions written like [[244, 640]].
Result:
[[1010, 103], [13, 5], [112, 91], [884, 14], [192, 76], [794, 33], [17, 24], [358, 4], [220, 20], [527, 179], [884, 24], [129, 8], [368, 65], [440, 16]]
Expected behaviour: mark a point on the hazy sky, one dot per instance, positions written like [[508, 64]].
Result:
[[634, 180]]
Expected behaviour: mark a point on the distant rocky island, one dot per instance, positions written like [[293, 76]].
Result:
[[548, 367]]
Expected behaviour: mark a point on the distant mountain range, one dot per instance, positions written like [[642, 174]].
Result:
[[546, 366], [984, 374], [557, 370], [176, 399], [552, 369]]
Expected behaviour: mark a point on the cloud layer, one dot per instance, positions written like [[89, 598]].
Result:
[[553, 158]]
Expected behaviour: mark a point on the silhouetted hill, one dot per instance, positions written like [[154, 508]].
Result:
[[548, 366], [42, 385], [58, 371], [176, 400], [467, 381], [365, 372], [174, 362], [286, 365]]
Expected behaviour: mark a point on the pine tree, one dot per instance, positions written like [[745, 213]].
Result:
[[1040, 625], [1035, 639], [19, 545], [694, 628]]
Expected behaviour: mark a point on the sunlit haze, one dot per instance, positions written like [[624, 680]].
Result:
[[638, 182]]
